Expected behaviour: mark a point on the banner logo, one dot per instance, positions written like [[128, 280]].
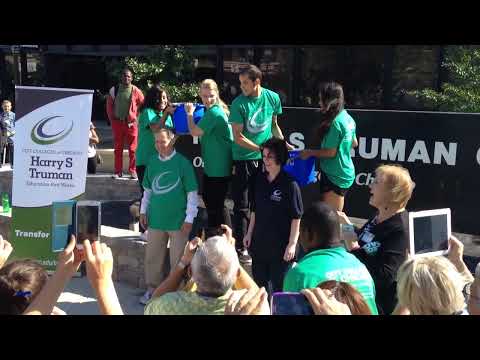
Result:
[[40, 137], [160, 190]]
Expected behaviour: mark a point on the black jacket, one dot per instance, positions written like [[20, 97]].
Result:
[[383, 249]]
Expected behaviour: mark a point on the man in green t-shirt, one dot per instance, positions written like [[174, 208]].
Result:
[[168, 208], [326, 258], [253, 115]]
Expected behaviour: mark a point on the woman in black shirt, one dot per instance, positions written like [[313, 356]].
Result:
[[382, 243], [275, 218]]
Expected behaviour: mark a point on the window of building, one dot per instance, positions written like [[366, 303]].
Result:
[[415, 67], [360, 70], [276, 64], [204, 61], [234, 58]]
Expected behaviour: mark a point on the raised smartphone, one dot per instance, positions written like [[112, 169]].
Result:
[[88, 221]]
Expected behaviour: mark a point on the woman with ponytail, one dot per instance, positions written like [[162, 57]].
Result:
[[336, 136], [216, 139], [20, 283]]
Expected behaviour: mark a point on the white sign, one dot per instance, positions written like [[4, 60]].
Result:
[[51, 151]]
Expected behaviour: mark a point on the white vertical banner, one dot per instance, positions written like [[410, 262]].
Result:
[[51, 144]]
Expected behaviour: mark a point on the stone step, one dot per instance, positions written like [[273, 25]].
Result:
[[128, 252], [108, 161]]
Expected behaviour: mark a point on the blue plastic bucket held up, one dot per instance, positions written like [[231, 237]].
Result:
[[303, 171], [180, 121]]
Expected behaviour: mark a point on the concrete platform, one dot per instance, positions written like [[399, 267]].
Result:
[[78, 298]]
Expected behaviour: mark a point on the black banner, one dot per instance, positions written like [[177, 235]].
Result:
[[441, 151]]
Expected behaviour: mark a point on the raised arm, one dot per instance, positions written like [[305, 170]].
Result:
[[241, 140], [174, 279], [99, 264], [192, 127]]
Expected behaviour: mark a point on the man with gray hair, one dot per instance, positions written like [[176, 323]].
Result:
[[215, 270]]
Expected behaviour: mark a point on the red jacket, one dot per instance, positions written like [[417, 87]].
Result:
[[136, 102]]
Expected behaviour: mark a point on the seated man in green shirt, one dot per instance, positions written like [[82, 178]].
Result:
[[326, 258], [215, 271]]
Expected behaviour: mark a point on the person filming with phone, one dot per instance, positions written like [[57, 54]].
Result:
[[217, 276], [382, 243], [326, 258]]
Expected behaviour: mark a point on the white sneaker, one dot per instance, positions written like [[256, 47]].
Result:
[[244, 257], [146, 297], [143, 236]]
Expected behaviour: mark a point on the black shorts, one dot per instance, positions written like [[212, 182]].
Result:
[[326, 185]]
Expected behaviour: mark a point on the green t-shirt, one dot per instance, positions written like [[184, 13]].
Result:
[[340, 169], [146, 139], [170, 181], [331, 264], [187, 303], [255, 114], [122, 101], [216, 142]]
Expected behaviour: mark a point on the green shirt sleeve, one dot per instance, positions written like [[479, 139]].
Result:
[[189, 178], [208, 122], [169, 121], [236, 114], [150, 117], [278, 106], [146, 180], [333, 137]]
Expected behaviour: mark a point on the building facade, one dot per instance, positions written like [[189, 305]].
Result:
[[374, 77]]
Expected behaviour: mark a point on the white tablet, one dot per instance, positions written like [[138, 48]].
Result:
[[429, 232]]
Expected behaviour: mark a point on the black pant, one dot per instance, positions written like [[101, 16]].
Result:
[[3, 144], [200, 223], [10, 152], [242, 192], [265, 271], [92, 165], [141, 174], [214, 193]]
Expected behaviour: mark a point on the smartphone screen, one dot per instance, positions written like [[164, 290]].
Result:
[[62, 224], [285, 303], [88, 226]]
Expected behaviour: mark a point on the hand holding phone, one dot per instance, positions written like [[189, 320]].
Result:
[[324, 302], [290, 303]]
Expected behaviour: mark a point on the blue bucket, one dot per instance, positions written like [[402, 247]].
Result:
[[303, 171], [180, 121]]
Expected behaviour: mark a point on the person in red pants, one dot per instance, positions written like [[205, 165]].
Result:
[[123, 103]]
